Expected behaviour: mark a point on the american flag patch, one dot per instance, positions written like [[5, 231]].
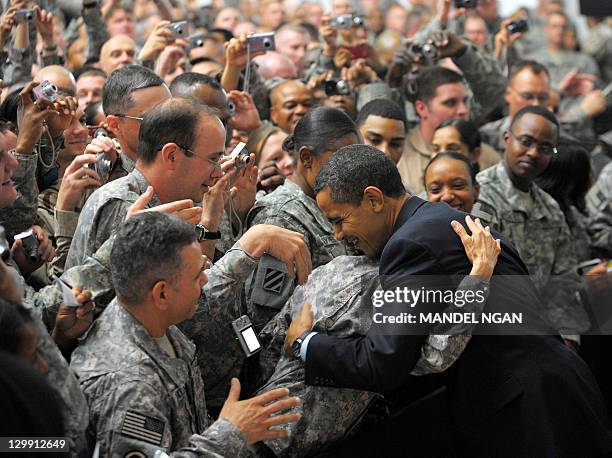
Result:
[[141, 427]]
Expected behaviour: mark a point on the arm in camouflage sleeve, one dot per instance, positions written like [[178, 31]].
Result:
[[225, 281], [22, 214], [599, 225], [485, 77], [65, 226], [140, 399], [96, 33], [442, 349]]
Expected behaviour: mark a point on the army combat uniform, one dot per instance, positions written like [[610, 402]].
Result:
[[143, 396], [290, 208], [536, 226], [339, 293], [599, 205]]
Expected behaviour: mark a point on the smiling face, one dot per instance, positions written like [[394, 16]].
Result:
[[8, 193], [448, 180], [361, 226], [529, 146], [290, 102], [386, 134], [272, 151]]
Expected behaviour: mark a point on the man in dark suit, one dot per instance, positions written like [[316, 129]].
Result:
[[508, 395]]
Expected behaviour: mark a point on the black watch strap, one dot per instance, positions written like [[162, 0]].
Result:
[[205, 234]]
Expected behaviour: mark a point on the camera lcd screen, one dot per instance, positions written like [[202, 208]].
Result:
[[251, 339]]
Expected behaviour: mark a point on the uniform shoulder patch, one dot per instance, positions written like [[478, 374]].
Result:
[[483, 211], [142, 427]]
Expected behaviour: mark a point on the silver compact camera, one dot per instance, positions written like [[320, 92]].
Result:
[[258, 42], [347, 21], [337, 87], [178, 29], [24, 15], [241, 156], [197, 40], [102, 167], [45, 91], [30, 245]]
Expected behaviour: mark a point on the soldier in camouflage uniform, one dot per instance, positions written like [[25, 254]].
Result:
[[513, 205], [292, 206], [146, 393], [599, 205], [338, 292]]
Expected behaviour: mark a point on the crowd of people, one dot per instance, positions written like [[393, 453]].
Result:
[[199, 199]]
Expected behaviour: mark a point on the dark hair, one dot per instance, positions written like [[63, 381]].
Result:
[[568, 177], [13, 319], [183, 84], [199, 60], [467, 130], [171, 121], [453, 155], [92, 111], [355, 167], [147, 249], [89, 70], [319, 130], [227, 35], [430, 79], [118, 88], [535, 67], [9, 106], [537, 110], [384, 108]]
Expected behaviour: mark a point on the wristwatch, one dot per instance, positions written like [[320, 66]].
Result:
[[297, 344], [205, 234]]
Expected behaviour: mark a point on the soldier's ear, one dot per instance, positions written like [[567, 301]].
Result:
[[305, 156], [169, 154], [373, 198], [160, 294]]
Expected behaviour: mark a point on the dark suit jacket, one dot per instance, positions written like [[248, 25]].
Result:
[[508, 395]]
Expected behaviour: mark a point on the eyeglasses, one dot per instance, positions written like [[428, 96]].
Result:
[[136, 118], [215, 164], [541, 97], [528, 142]]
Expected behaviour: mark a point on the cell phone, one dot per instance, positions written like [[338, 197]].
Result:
[[468, 4], [178, 29], [246, 335], [68, 297], [258, 42], [358, 52], [586, 265]]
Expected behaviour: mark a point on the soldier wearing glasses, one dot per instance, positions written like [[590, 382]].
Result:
[[514, 205]]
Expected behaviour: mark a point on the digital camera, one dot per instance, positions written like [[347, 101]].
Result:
[[258, 42], [426, 50], [346, 21], [336, 87], [29, 242], [178, 29], [241, 155], [45, 91], [468, 4], [518, 26], [24, 15]]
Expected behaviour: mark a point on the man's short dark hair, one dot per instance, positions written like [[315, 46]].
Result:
[[183, 84], [171, 121], [355, 167], [537, 110], [147, 249], [89, 70], [535, 67], [430, 79], [384, 108], [117, 92]]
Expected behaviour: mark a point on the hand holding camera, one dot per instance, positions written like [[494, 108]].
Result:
[[510, 31], [31, 117], [157, 41], [77, 179], [31, 249], [448, 45], [245, 116], [329, 35]]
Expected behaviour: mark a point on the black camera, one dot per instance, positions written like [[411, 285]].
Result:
[[46, 90], [336, 87], [24, 15], [519, 26], [426, 50], [468, 4], [261, 42], [29, 242]]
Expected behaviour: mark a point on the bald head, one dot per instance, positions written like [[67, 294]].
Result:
[[62, 78], [273, 64], [117, 52]]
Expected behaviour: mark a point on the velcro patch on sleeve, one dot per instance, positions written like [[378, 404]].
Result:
[[142, 427]]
